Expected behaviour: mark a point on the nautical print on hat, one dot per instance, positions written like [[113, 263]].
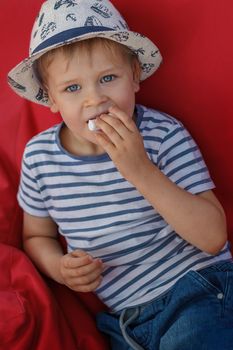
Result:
[[62, 22]]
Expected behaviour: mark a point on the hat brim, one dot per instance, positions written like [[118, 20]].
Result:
[[22, 78]]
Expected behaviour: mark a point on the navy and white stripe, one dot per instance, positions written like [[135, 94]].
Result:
[[100, 212]]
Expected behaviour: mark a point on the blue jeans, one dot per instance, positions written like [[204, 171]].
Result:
[[195, 314]]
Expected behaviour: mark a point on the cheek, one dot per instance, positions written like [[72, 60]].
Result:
[[74, 124], [128, 102], [71, 120]]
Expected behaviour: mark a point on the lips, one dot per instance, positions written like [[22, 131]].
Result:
[[95, 116], [92, 121]]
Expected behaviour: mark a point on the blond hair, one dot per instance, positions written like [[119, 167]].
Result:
[[111, 47]]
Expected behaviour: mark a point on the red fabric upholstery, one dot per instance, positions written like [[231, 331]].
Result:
[[194, 84], [34, 316]]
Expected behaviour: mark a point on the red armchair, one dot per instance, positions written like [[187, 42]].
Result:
[[194, 84]]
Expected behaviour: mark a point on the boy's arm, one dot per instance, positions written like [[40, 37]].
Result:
[[41, 244], [199, 219], [78, 270]]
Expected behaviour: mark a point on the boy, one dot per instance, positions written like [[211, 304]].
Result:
[[132, 198]]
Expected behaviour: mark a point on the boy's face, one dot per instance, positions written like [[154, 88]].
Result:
[[85, 86]]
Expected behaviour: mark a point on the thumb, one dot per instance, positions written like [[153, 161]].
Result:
[[78, 253]]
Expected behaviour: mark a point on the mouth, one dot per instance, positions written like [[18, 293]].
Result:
[[92, 122]]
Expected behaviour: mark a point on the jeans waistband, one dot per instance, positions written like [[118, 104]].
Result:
[[225, 265]]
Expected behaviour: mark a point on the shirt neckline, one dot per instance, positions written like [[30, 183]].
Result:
[[96, 158]]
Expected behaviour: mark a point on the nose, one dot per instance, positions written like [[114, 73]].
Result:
[[94, 96]]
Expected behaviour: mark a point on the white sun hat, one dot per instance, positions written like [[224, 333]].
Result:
[[61, 22]]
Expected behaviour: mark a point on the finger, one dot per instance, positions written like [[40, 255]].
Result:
[[127, 120], [70, 261], [118, 125], [105, 143], [78, 253], [87, 288], [95, 267], [111, 127], [88, 278]]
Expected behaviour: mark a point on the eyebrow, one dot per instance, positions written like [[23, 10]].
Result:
[[74, 81], [68, 82]]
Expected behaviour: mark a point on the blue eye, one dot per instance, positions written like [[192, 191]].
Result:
[[107, 78], [73, 88]]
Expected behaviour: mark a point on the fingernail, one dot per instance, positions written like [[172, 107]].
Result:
[[99, 261]]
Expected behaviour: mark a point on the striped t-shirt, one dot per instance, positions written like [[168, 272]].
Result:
[[98, 211]]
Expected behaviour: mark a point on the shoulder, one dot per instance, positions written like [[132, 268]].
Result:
[[159, 126], [42, 144], [150, 118], [43, 139], [46, 135]]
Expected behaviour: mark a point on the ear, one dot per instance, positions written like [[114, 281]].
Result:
[[136, 75], [53, 106]]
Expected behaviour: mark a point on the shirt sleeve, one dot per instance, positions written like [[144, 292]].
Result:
[[180, 159], [29, 194]]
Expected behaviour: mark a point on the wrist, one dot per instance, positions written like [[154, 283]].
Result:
[[141, 177]]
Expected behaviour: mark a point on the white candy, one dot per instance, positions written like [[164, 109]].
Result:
[[92, 125]]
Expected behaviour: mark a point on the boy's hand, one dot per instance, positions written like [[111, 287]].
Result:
[[122, 141], [80, 271]]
